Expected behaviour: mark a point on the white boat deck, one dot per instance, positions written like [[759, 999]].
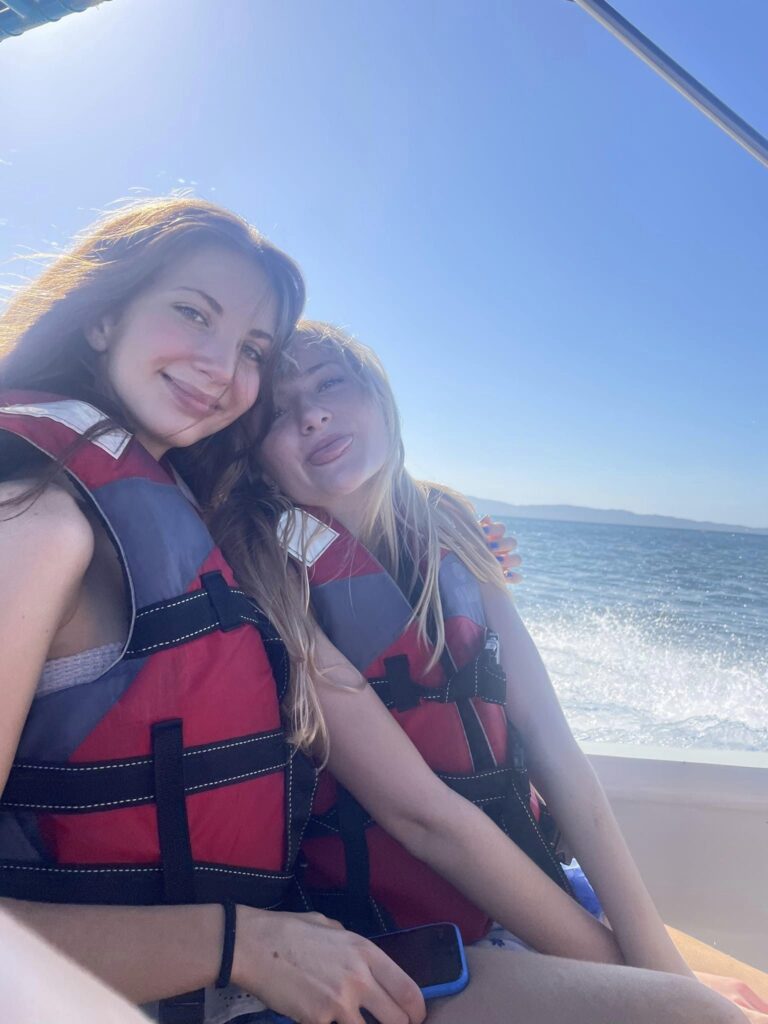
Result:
[[697, 824]]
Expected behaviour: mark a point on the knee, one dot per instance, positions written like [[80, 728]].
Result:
[[697, 1004]]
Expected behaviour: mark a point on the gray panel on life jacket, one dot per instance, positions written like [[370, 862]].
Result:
[[460, 591], [164, 539], [361, 615], [15, 842], [165, 543], [58, 722]]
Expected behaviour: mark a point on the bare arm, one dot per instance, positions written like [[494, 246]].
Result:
[[301, 964], [569, 785], [374, 759]]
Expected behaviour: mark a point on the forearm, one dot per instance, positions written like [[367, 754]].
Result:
[[68, 995], [590, 828], [461, 843], [145, 953]]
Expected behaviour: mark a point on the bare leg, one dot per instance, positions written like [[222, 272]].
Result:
[[530, 988], [701, 957]]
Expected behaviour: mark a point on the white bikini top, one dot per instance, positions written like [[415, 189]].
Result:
[[61, 673]]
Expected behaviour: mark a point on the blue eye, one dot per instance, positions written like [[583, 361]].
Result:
[[330, 382], [192, 314], [254, 354]]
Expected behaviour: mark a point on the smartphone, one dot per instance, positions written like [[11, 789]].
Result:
[[433, 955]]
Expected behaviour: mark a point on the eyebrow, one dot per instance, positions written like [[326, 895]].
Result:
[[218, 309], [316, 367]]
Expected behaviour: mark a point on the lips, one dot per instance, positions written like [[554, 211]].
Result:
[[190, 398], [329, 450]]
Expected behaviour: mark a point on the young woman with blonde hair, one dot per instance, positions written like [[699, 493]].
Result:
[[365, 538]]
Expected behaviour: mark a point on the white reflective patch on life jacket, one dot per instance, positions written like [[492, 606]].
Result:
[[305, 536], [78, 416]]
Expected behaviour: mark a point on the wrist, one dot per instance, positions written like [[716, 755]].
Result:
[[250, 955], [229, 935]]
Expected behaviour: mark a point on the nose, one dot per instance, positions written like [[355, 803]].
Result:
[[219, 362], [312, 416]]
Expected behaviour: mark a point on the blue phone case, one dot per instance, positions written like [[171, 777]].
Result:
[[448, 988]]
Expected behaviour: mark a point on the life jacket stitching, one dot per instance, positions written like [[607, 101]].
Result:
[[183, 600], [147, 760], [214, 784], [78, 871], [378, 913], [308, 817], [319, 823], [278, 876], [289, 822], [197, 632], [536, 829], [235, 778], [476, 775], [171, 643]]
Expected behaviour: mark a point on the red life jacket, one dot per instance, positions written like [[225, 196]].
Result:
[[454, 714], [168, 779]]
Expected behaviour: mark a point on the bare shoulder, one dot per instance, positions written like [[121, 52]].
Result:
[[51, 523]]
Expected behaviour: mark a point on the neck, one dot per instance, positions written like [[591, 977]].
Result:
[[348, 513], [350, 509]]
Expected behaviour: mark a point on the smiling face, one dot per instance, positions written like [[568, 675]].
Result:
[[185, 356], [328, 437]]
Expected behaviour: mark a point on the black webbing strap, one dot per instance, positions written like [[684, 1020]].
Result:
[[215, 606], [479, 746], [481, 677], [138, 884], [352, 824], [172, 824], [401, 689], [300, 784], [76, 788], [175, 850]]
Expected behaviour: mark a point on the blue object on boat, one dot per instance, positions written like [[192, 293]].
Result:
[[582, 890]]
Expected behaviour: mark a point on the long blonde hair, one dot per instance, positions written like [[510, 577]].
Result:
[[43, 347], [402, 515]]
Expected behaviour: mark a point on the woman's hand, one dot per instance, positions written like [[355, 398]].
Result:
[[502, 547], [314, 971]]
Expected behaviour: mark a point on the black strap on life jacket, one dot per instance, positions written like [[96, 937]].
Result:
[[177, 620], [482, 677], [166, 778], [175, 850], [501, 791]]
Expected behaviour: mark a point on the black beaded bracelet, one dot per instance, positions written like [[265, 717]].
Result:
[[228, 944]]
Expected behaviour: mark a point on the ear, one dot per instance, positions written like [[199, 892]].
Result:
[[98, 334]]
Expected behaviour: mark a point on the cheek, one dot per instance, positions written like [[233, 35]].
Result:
[[247, 386], [379, 439]]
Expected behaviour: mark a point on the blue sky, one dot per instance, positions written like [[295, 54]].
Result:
[[559, 260]]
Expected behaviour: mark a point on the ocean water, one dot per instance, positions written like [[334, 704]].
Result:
[[651, 636]]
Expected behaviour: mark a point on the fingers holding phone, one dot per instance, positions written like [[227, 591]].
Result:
[[312, 970]]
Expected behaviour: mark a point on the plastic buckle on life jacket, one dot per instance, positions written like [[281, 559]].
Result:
[[493, 647], [220, 596], [403, 689]]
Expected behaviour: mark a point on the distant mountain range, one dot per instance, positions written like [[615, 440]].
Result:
[[612, 517]]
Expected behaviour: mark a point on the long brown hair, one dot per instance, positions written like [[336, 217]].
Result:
[[43, 347], [43, 342]]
